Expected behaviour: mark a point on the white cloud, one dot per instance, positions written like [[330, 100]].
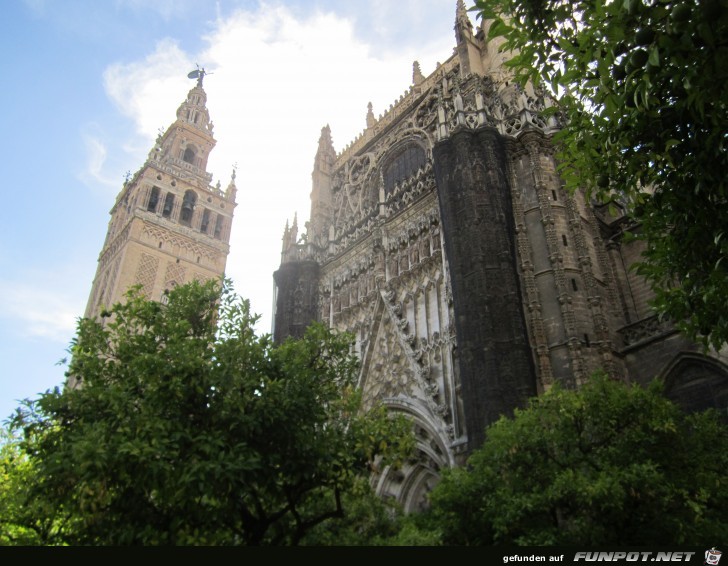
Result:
[[275, 79], [144, 90], [36, 311], [96, 154]]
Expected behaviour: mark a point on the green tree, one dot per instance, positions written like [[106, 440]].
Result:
[[607, 464], [370, 520], [24, 521], [188, 428], [642, 87]]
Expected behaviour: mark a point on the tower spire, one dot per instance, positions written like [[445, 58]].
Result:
[[371, 120], [461, 15], [417, 77], [469, 46], [325, 145], [232, 189], [169, 225], [194, 108], [321, 211], [186, 145]]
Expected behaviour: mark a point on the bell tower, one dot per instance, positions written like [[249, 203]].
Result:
[[169, 225]]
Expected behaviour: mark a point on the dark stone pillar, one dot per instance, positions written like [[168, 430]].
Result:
[[496, 367], [296, 298]]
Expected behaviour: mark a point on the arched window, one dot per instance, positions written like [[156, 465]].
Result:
[[188, 206], [205, 221], [153, 200], [168, 205], [696, 383], [189, 155], [403, 165]]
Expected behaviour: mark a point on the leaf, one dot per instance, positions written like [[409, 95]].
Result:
[[654, 56]]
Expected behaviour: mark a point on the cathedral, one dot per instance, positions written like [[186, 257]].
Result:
[[443, 240]]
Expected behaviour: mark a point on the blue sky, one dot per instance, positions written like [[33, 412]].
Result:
[[89, 83]]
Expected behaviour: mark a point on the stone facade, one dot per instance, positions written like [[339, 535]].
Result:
[[443, 240], [169, 225]]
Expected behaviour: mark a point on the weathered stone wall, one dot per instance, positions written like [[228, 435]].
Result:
[[496, 367], [296, 298]]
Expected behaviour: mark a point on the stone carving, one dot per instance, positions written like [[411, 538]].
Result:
[[147, 273], [174, 275], [645, 329], [185, 247]]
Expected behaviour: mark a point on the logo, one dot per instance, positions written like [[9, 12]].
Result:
[[712, 556]]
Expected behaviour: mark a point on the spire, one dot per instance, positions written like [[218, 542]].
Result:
[[325, 154], [231, 190], [469, 48], [325, 145], [285, 241], [294, 228], [371, 120], [289, 248], [317, 230], [461, 16], [417, 76], [194, 111], [187, 143], [170, 198]]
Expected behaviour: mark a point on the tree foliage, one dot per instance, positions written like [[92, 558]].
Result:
[[608, 464], [24, 520], [188, 428], [368, 520], [642, 86]]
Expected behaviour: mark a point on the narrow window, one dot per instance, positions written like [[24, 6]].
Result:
[[153, 200], [168, 205], [218, 226], [573, 285], [205, 221], [189, 155], [563, 239], [586, 340], [553, 194], [188, 206]]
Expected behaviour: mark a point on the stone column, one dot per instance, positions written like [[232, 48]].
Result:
[[496, 364]]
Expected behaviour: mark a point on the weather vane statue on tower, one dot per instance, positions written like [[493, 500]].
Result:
[[198, 74]]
